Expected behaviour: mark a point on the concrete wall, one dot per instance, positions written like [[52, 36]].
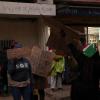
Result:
[[24, 31]]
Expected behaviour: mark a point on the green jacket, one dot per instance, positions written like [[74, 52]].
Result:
[[57, 65]]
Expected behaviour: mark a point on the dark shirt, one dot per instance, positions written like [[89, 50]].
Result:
[[86, 87], [19, 69]]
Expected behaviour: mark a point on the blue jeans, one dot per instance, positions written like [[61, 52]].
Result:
[[25, 92]]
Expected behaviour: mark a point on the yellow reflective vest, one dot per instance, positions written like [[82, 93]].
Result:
[[57, 65]]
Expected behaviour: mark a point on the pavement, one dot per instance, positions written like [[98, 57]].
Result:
[[63, 94]]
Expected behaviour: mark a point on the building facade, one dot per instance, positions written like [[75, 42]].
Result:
[[22, 22]]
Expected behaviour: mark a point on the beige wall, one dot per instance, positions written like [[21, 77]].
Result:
[[24, 31], [43, 33]]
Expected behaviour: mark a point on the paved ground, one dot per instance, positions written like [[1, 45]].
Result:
[[10, 98], [6, 98], [63, 94]]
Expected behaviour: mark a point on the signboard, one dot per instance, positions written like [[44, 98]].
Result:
[[27, 8], [79, 11], [41, 61]]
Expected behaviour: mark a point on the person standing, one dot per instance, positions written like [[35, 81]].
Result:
[[19, 78], [86, 86], [56, 73], [39, 85]]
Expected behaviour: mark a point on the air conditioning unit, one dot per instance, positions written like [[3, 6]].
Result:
[[44, 1]]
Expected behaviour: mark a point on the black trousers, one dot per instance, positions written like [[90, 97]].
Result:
[[41, 95]]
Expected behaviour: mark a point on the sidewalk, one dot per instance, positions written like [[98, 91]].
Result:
[[63, 94], [6, 98]]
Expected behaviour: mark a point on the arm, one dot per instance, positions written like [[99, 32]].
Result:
[[11, 67], [30, 70]]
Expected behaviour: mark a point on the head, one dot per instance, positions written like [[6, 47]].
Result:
[[18, 45]]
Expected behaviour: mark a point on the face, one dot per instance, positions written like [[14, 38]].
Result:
[[18, 57]]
